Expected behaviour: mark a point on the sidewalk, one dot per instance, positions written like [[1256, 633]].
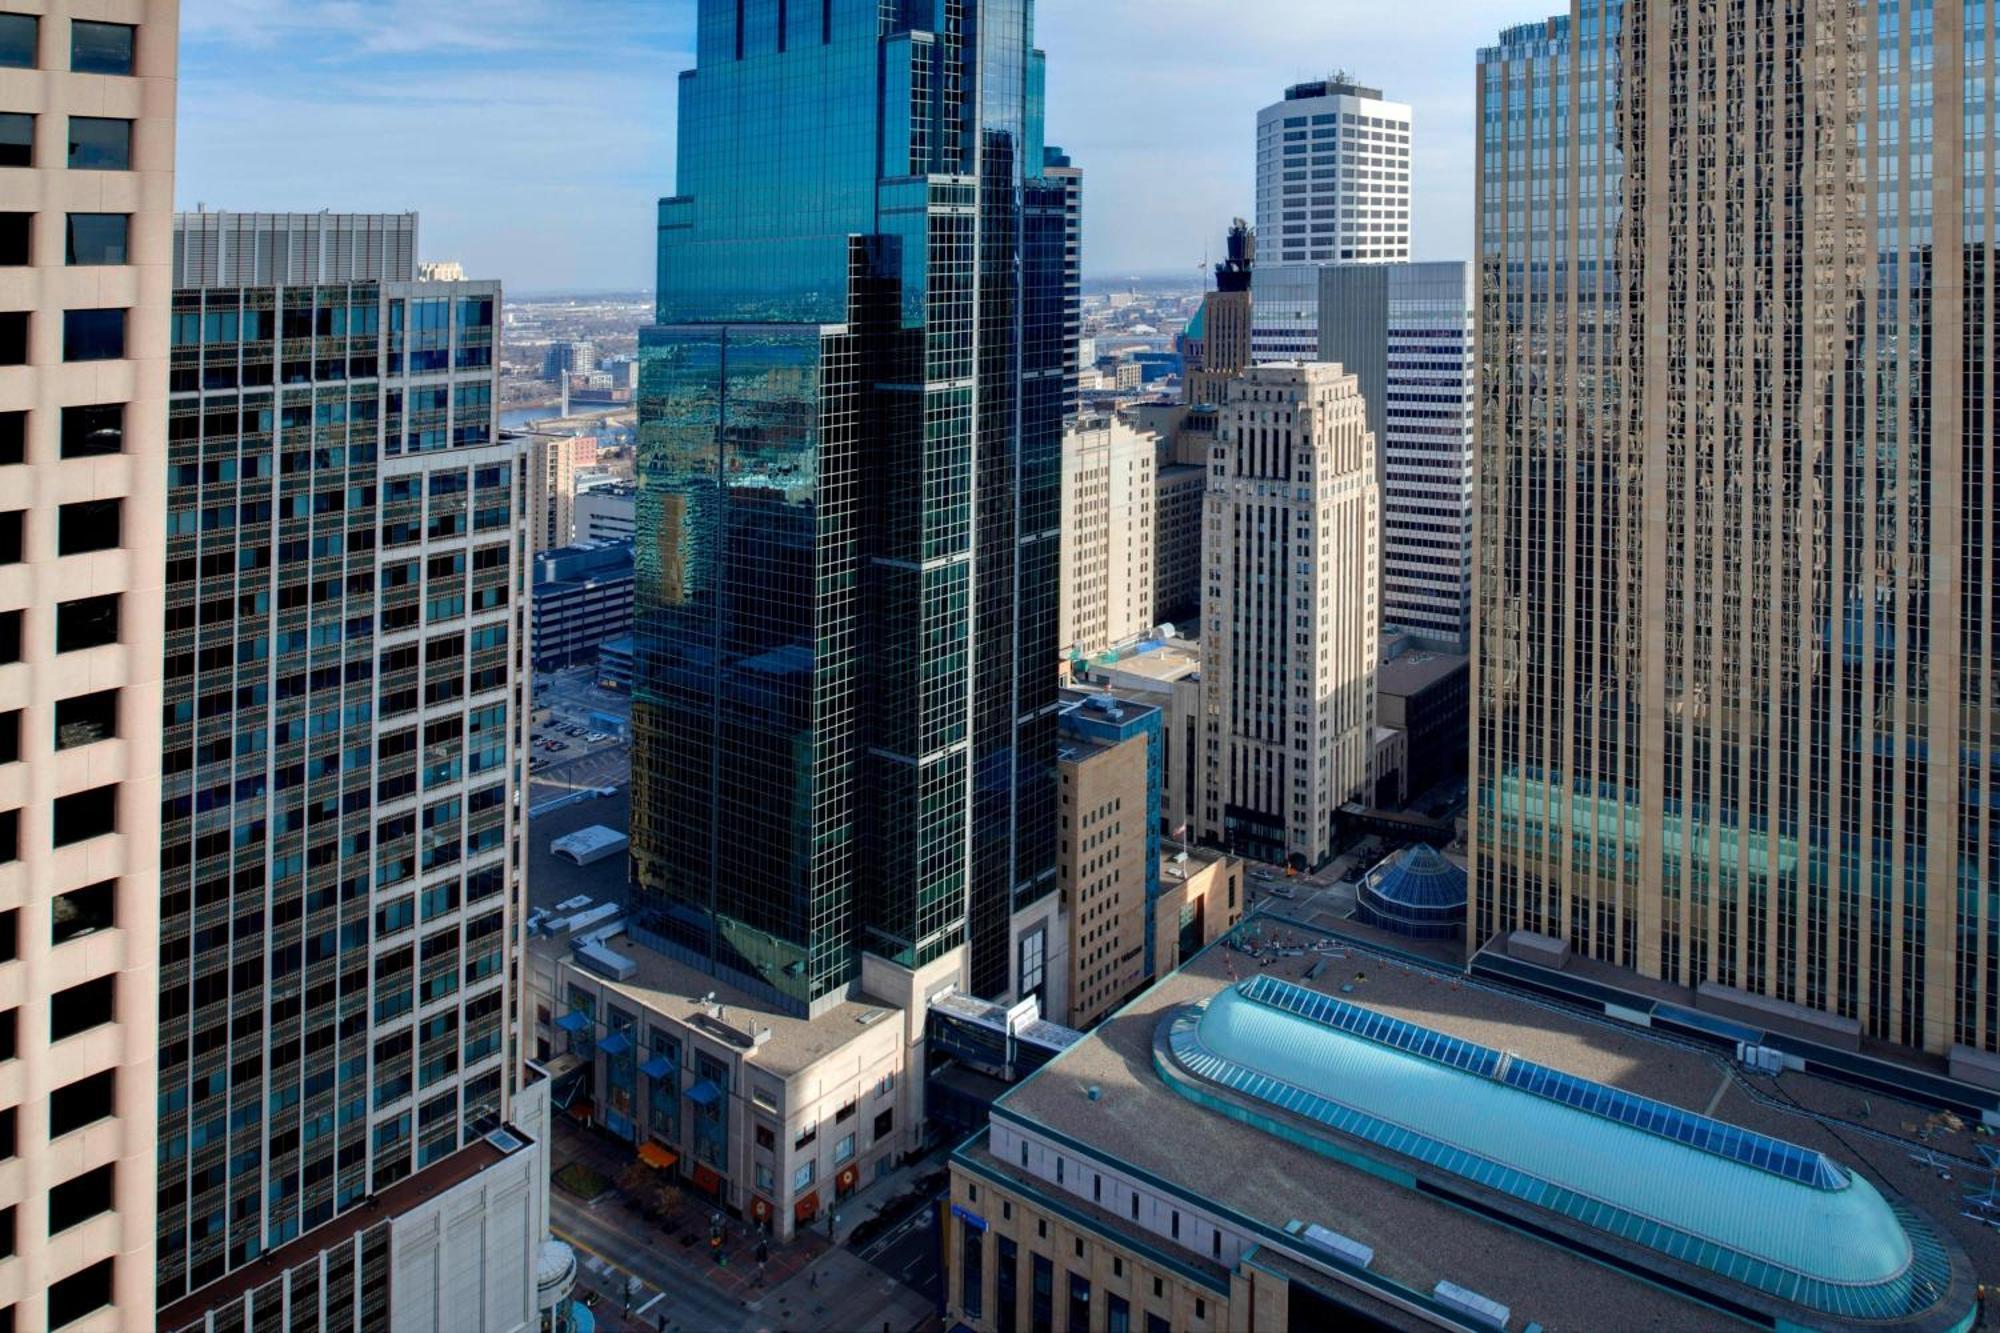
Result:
[[672, 1222], [871, 1199], [661, 1237], [842, 1294]]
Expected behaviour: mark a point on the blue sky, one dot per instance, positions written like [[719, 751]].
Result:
[[534, 135]]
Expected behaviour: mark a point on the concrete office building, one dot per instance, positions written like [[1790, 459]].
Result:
[[1290, 629], [87, 164], [1333, 176], [1108, 768], [1107, 533], [1426, 696], [1178, 493], [1333, 187], [1405, 332], [849, 460], [606, 513], [582, 596], [339, 872], [1186, 434], [1734, 669], [1244, 1147]]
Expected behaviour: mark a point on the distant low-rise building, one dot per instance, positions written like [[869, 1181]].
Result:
[[615, 662], [582, 596], [569, 358]]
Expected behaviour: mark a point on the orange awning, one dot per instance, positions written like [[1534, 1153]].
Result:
[[652, 1154], [848, 1175]]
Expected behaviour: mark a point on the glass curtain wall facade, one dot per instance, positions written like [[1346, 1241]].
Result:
[[850, 429], [340, 873], [1734, 670]]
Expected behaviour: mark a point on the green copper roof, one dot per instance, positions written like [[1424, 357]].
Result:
[[1771, 1215]]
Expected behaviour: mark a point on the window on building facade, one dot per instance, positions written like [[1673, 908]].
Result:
[[93, 430], [16, 239], [17, 139], [80, 1008], [82, 911], [20, 35], [99, 143], [101, 48], [97, 238]]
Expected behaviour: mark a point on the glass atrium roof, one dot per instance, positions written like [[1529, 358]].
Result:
[[1419, 877], [1771, 1215]]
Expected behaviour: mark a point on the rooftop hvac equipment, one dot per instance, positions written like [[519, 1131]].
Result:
[[1472, 1305], [605, 963], [1344, 1248], [584, 921]]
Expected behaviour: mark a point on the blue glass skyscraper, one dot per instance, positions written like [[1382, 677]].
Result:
[[850, 430]]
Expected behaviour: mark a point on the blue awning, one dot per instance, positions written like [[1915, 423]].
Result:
[[657, 1067], [615, 1044], [574, 1022], [704, 1093]]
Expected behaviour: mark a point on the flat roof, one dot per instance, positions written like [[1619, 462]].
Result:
[[1415, 672], [399, 1198], [1139, 1122], [1175, 659], [674, 989]]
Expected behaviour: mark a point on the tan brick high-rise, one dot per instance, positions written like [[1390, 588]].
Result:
[[1291, 615], [1737, 518], [86, 196]]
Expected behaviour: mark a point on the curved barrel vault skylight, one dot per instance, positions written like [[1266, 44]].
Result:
[[1781, 1219]]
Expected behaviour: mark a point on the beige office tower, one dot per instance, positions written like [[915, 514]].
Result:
[[86, 200], [1736, 649], [1106, 595], [1290, 611]]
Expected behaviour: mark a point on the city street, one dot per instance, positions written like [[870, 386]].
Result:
[[677, 1287], [908, 1251]]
